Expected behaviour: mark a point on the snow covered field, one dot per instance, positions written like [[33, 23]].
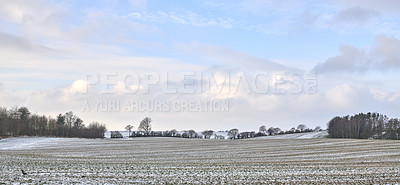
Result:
[[305, 135], [177, 160]]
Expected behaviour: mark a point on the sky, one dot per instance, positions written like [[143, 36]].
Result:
[[201, 64]]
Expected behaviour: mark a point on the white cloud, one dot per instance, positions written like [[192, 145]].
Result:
[[232, 60], [48, 25], [276, 7], [385, 96], [343, 96], [379, 94], [78, 86], [188, 18], [394, 97], [32, 12], [9, 99], [138, 4]]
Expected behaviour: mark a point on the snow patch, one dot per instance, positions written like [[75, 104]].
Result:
[[23, 143]]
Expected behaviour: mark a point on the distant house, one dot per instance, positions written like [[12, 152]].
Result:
[[116, 134]]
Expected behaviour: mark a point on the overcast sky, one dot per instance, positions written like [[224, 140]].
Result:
[[287, 62]]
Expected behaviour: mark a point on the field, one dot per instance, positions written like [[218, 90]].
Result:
[[199, 161]]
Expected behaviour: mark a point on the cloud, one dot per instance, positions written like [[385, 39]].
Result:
[[351, 59], [254, 108], [220, 56], [12, 42], [385, 6], [32, 12], [382, 56], [388, 50], [293, 17], [379, 94], [187, 18], [355, 15], [109, 28], [384, 95], [270, 6], [138, 4], [56, 25], [9, 99], [44, 69], [36, 19], [343, 96]]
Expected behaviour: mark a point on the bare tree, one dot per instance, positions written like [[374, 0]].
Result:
[[70, 118], [24, 112], [192, 133], [233, 133], [96, 130], [317, 129], [271, 131], [185, 134], [262, 129], [301, 127], [277, 130], [129, 129], [78, 123], [173, 132], [19, 121], [145, 125], [207, 134]]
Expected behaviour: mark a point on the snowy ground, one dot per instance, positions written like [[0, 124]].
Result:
[[178, 160], [19, 143], [305, 135]]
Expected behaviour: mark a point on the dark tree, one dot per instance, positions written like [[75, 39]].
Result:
[[317, 129], [271, 131], [19, 121], [207, 134], [145, 126], [262, 129], [174, 132], [233, 133], [301, 127], [60, 125], [362, 126], [129, 129], [192, 133]]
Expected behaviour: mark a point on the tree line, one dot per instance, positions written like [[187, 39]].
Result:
[[19, 121], [364, 126], [144, 130]]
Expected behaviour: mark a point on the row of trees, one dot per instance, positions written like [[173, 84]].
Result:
[[19, 121], [144, 130], [363, 126], [262, 131], [277, 131]]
